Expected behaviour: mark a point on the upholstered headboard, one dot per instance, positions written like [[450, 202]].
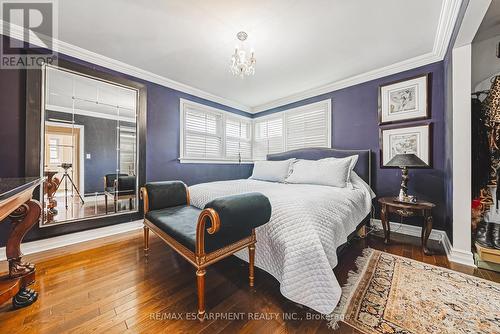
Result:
[[362, 168]]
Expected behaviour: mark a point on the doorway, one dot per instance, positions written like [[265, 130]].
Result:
[[63, 146]]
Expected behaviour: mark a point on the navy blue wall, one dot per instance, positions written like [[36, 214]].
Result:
[[12, 126], [355, 126], [162, 133]]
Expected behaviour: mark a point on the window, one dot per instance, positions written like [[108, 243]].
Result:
[[268, 137], [301, 127], [308, 126], [54, 155], [238, 138], [212, 135], [202, 132], [209, 134]]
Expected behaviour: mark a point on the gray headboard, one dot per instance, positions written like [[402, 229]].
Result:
[[362, 168]]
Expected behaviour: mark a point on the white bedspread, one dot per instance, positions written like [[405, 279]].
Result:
[[298, 245]]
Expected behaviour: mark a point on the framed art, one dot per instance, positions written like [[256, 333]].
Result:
[[416, 139], [404, 100]]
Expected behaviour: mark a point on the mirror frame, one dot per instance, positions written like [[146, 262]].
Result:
[[33, 152]]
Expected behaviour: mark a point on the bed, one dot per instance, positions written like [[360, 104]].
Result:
[[308, 224]]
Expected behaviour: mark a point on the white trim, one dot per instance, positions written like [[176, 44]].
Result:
[[355, 80], [283, 114], [329, 111], [82, 112], [446, 23], [462, 257], [476, 10], [74, 238], [208, 161], [453, 255], [82, 149], [461, 104], [447, 18], [414, 231], [224, 116], [461, 162], [16, 32]]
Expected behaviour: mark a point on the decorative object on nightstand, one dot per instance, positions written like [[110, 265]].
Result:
[[404, 161], [418, 209]]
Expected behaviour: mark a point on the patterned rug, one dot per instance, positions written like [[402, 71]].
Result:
[[392, 294]]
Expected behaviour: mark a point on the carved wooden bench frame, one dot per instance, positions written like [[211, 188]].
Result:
[[200, 259]]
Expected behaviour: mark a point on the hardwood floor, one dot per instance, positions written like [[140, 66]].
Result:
[[107, 286]]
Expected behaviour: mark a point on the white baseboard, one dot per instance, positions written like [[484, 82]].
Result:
[[453, 255], [414, 231], [74, 238], [462, 257]]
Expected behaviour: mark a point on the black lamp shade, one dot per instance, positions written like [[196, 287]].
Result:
[[406, 160]]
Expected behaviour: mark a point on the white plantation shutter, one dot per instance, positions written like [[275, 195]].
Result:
[[202, 134], [238, 139], [268, 137], [212, 135], [308, 126]]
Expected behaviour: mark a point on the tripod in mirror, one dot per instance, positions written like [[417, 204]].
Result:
[[65, 178]]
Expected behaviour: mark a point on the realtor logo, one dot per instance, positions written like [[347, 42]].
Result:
[[32, 27]]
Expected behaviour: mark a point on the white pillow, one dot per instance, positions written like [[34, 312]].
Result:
[[274, 171], [331, 172]]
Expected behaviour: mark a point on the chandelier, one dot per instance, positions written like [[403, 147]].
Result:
[[242, 61]]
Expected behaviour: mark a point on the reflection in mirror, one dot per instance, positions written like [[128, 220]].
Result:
[[89, 147]]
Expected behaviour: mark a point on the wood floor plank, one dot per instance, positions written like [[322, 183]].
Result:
[[107, 286]]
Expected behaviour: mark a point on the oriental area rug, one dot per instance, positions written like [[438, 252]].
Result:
[[393, 294]]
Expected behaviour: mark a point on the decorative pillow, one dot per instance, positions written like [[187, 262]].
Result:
[[274, 171], [331, 172]]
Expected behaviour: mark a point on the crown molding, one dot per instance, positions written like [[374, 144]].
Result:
[[446, 23], [355, 80], [15, 31]]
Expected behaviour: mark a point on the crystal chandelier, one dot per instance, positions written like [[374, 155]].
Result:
[[242, 61]]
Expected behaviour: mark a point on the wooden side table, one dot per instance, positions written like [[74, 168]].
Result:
[[419, 209]]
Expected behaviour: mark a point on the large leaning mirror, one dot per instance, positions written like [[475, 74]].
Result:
[[89, 147]]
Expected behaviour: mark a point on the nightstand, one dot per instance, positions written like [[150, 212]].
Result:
[[419, 209]]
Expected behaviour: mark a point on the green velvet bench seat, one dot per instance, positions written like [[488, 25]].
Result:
[[225, 226]]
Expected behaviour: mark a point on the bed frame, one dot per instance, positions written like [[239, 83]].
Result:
[[362, 168]]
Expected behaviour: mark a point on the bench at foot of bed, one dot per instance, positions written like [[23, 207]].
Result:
[[225, 226]]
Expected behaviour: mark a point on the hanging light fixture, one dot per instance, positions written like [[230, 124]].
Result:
[[242, 61]]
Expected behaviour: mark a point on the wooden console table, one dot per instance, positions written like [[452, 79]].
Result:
[[16, 203]]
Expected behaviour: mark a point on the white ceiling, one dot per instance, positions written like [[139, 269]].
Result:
[[299, 45]]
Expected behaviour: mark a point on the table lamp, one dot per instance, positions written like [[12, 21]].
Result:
[[405, 161]]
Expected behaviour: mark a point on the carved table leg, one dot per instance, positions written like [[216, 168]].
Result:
[[23, 219], [385, 224], [426, 232]]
